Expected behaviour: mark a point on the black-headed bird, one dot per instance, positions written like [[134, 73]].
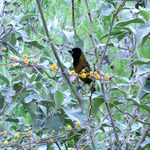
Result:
[[81, 65]]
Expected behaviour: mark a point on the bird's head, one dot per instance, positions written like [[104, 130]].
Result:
[[75, 52]]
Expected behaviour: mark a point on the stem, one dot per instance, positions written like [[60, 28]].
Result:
[[110, 115], [91, 35], [73, 23]]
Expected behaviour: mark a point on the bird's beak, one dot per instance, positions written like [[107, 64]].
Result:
[[70, 51]]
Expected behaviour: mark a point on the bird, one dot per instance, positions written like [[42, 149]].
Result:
[[81, 65]]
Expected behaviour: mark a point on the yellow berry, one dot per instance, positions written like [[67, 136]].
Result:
[[69, 127], [26, 61], [25, 56], [102, 74], [16, 135], [52, 67], [97, 76], [5, 132], [78, 123], [11, 64], [95, 73], [91, 73], [35, 62], [55, 66], [52, 141], [16, 58], [12, 57], [13, 140], [29, 132], [107, 77], [73, 72], [0, 122], [4, 49], [5, 142], [83, 75]]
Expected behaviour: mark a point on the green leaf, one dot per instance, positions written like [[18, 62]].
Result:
[[145, 14], [16, 78], [27, 16], [119, 89], [31, 77], [43, 108], [121, 36], [4, 78], [141, 61], [2, 100], [10, 108], [69, 35], [75, 114], [142, 33], [6, 74], [31, 110], [8, 91], [147, 86], [97, 101], [38, 85], [58, 97], [53, 123], [16, 120], [118, 31], [31, 97], [23, 35], [143, 106], [35, 43], [143, 70], [13, 39], [127, 21], [107, 10], [145, 144]]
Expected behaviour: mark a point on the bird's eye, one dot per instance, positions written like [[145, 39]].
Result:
[[70, 51]]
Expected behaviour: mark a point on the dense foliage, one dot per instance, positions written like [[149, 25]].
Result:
[[41, 106]]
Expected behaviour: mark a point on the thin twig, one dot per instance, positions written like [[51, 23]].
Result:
[[110, 115], [91, 35], [58, 145], [80, 141], [129, 114], [73, 23]]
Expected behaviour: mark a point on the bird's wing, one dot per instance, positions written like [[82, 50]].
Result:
[[86, 68]]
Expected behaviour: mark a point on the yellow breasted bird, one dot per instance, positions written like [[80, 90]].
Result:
[[80, 64]]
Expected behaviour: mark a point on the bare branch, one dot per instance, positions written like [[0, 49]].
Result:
[[91, 35]]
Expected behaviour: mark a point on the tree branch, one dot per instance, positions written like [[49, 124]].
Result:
[[80, 100]]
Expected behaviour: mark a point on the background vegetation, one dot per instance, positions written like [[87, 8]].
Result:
[[40, 106]]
